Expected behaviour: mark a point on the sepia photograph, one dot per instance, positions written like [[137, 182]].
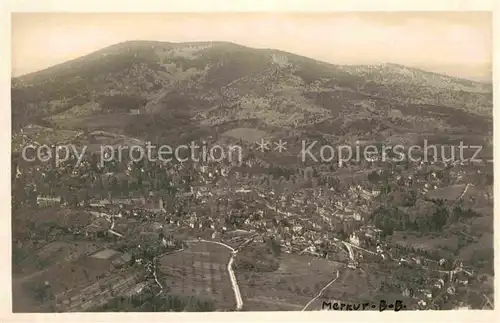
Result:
[[252, 161]]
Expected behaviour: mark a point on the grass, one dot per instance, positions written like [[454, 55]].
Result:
[[297, 280], [425, 242], [87, 109], [164, 303], [50, 136], [246, 134], [201, 271], [54, 253], [108, 121]]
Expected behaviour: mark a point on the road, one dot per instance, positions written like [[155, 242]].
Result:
[[215, 242], [234, 282], [351, 256], [321, 291], [463, 193], [232, 276], [358, 247], [438, 296], [349, 248]]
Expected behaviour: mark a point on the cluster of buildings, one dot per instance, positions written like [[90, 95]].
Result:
[[211, 199]]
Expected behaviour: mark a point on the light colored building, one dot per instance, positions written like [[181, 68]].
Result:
[[353, 238]]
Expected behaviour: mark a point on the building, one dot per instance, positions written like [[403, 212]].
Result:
[[354, 239]]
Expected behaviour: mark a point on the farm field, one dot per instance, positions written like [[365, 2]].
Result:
[[297, 280], [61, 276], [201, 271], [57, 252]]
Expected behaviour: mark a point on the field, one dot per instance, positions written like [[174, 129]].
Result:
[[290, 287], [425, 242], [57, 252], [78, 111], [113, 122], [45, 136], [300, 278], [55, 264], [450, 193], [246, 134], [200, 270], [353, 287], [24, 218]]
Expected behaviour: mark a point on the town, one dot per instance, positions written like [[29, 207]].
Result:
[[88, 235]]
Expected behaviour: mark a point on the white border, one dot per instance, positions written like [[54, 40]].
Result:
[[219, 6]]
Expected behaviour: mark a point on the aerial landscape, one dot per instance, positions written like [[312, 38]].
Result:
[[257, 207]]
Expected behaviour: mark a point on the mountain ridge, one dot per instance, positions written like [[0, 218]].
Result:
[[200, 85], [154, 42]]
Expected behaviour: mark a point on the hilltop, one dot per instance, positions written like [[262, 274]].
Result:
[[153, 90]]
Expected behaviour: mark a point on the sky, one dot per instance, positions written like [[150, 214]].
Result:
[[453, 43]]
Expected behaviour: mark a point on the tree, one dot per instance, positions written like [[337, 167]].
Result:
[[275, 247], [439, 219], [483, 258], [373, 177]]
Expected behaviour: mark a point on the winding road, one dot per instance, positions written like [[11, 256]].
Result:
[[349, 248], [321, 291]]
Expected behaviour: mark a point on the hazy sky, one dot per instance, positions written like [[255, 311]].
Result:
[[455, 43]]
